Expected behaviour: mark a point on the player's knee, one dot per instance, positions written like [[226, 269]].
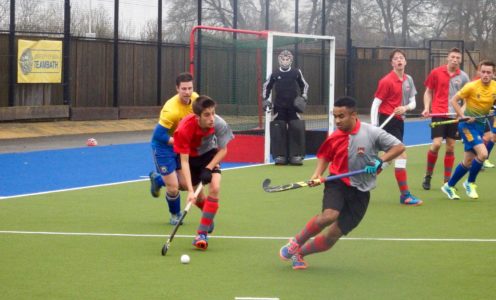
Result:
[[172, 189], [327, 217]]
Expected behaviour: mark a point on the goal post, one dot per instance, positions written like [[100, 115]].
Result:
[[231, 65]]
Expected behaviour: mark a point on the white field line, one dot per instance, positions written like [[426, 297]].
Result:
[[233, 237], [143, 178]]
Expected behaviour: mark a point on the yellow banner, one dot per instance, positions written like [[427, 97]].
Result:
[[39, 61]]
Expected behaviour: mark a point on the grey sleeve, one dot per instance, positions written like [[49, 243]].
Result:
[[223, 132], [384, 140]]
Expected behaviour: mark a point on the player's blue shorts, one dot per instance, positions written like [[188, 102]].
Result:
[[165, 159], [492, 122], [471, 134]]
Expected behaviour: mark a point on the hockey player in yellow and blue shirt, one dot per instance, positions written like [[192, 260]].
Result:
[[166, 161], [479, 96]]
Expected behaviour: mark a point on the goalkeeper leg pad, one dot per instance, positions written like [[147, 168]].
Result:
[[296, 141], [279, 142]]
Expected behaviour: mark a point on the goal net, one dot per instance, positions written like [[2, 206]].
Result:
[[231, 66]]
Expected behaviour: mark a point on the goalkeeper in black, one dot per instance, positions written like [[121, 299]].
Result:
[[287, 129]]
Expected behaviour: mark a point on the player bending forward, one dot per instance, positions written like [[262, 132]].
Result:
[[353, 146], [201, 141]]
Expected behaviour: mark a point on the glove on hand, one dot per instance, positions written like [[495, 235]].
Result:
[[206, 176], [373, 166], [267, 104]]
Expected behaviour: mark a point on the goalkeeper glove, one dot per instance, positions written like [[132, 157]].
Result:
[[206, 176], [267, 104]]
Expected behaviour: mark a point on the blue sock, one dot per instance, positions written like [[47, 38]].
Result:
[[460, 171], [174, 203], [489, 147], [474, 170], [159, 181]]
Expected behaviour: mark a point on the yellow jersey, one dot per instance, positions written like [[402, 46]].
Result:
[[479, 97], [174, 111]]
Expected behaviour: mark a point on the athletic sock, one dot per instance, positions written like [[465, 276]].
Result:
[[431, 162], [474, 170], [319, 244], [489, 147], [209, 210], [174, 203], [460, 171], [449, 161], [401, 178], [311, 229]]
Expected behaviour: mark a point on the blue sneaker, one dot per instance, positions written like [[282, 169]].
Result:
[[410, 200], [154, 188], [289, 250], [201, 241], [174, 219], [298, 262]]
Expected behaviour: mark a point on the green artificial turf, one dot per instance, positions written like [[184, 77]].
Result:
[[114, 234]]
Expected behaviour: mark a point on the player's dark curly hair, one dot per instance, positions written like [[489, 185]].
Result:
[[348, 102], [203, 102], [183, 77]]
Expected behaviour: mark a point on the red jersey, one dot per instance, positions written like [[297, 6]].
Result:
[[444, 86], [191, 139], [394, 92]]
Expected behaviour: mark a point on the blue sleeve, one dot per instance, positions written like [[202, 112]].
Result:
[[161, 135]]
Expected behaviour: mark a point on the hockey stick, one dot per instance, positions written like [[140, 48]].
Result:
[[296, 185], [431, 115], [435, 124], [387, 120], [176, 227]]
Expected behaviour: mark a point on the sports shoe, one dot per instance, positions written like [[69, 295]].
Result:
[[298, 262], [471, 189], [201, 241], [154, 188], [174, 219], [291, 248], [487, 164], [409, 199], [296, 160], [426, 184], [450, 191], [281, 160]]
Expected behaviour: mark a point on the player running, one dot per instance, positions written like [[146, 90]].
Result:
[[479, 97], [201, 141], [353, 146], [166, 161]]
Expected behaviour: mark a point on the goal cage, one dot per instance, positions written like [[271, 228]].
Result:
[[231, 65]]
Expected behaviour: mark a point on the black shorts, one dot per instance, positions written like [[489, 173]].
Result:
[[349, 201], [198, 163], [444, 131], [285, 114], [395, 126]]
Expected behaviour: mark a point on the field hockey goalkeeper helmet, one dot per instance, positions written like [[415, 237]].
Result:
[[285, 59]]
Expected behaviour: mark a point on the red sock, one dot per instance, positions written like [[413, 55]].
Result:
[[431, 162], [209, 210], [310, 230], [449, 161], [318, 244], [400, 174]]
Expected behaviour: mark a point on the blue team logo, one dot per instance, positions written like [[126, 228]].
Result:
[[163, 169], [457, 83]]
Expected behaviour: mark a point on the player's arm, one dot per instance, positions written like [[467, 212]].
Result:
[[455, 101], [427, 102], [186, 172], [303, 84], [374, 111], [267, 87], [393, 152]]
